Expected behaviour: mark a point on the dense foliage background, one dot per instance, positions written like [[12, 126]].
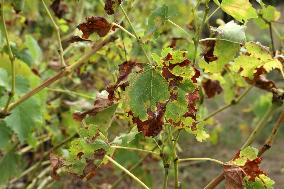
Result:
[[141, 94]]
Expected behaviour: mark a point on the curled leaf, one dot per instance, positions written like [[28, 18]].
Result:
[[59, 8], [95, 24], [110, 5]]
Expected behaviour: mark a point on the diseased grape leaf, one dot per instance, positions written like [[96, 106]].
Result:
[[217, 55], [244, 171], [75, 39], [211, 87], [256, 57], [85, 153], [59, 8], [111, 5], [154, 123], [145, 91], [95, 24], [241, 10]]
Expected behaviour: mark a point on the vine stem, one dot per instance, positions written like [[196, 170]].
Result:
[[126, 171], [217, 180], [201, 159], [66, 71], [166, 176], [57, 29], [176, 171], [12, 60], [71, 93], [269, 141], [234, 102], [179, 27], [199, 30], [260, 125], [133, 149], [125, 30], [135, 34]]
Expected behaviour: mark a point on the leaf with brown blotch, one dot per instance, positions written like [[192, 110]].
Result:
[[263, 83], [59, 8], [192, 99], [110, 6], [154, 124], [100, 104], [124, 70], [208, 52], [211, 87], [95, 24]]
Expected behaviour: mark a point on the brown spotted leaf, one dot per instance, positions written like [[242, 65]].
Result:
[[95, 24], [154, 124]]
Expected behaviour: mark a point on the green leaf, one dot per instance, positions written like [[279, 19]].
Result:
[[24, 118], [270, 13], [125, 138], [4, 82], [34, 49], [260, 182], [157, 19], [10, 167], [225, 52], [249, 153], [241, 10], [5, 134], [145, 91]]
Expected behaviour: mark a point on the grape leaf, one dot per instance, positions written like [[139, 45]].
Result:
[[111, 5], [241, 10], [94, 24], [24, 118], [34, 49], [5, 134], [146, 91], [125, 138], [256, 56], [260, 182], [211, 87], [4, 82], [157, 19], [59, 8], [232, 32], [10, 166], [224, 52], [248, 153]]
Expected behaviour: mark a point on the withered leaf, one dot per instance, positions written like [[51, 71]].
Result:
[[211, 87], [59, 8], [233, 177], [56, 162], [95, 24], [110, 5]]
